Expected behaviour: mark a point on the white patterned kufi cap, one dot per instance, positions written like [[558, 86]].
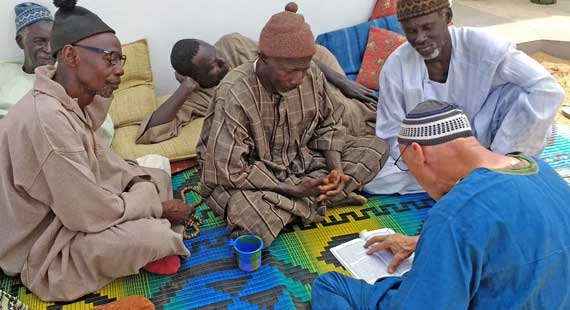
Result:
[[28, 13], [434, 122]]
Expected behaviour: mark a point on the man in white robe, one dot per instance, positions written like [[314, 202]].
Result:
[[510, 99]]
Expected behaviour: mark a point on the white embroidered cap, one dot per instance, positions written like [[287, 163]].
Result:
[[434, 122]]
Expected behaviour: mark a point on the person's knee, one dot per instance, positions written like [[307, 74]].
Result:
[[328, 281], [326, 289], [152, 234]]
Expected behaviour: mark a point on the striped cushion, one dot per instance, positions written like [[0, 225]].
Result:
[[349, 44]]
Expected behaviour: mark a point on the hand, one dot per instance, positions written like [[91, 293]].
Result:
[[187, 82], [354, 90], [308, 188], [176, 211], [334, 184], [401, 247]]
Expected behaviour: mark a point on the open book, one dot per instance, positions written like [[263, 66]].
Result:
[[352, 255]]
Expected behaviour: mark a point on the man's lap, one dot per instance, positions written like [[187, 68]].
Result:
[[336, 291]]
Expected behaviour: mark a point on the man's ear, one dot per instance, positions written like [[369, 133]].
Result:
[[418, 153], [20, 40], [69, 56]]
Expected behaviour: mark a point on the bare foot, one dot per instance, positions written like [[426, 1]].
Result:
[[353, 199]]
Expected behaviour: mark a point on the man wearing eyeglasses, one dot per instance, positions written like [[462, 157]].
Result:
[[33, 30], [74, 215], [497, 238]]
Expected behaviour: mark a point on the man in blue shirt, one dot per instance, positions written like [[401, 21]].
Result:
[[497, 238]]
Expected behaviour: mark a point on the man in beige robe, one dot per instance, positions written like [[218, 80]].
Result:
[[273, 147], [76, 216], [200, 67]]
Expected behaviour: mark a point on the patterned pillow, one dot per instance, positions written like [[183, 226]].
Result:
[[348, 44], [384, 8], [381, 43]]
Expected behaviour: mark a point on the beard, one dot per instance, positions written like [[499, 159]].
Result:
[[433, 55], [106, 92]]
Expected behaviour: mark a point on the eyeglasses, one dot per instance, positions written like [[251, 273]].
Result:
[[399, 163], [114, 58]]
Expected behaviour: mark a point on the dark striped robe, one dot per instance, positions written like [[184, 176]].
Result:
[[253, 140], [359, 117]]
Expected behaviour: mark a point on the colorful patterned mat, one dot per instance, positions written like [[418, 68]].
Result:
[[210, 279]]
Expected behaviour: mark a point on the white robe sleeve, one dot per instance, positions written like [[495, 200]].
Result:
[[525, 126]]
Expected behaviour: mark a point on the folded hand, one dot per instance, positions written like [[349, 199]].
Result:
[[333, 185]]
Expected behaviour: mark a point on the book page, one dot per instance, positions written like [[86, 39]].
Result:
[[352, 255]]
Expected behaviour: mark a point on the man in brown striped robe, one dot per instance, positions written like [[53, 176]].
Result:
[[273, 147], [201, 73]]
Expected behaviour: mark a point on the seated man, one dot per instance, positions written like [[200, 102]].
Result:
[[200, 67], [509, 98], [272, 148], [76, 216], [497, 238], [33, 29]]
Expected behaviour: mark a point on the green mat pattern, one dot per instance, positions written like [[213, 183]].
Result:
[[210, 279]]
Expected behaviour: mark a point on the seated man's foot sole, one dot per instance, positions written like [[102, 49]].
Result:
[[164, 266], [353, 199], [128, 303]]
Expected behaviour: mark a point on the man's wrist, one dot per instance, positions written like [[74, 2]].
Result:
[[414, 241], [187, 90], [285, 189]]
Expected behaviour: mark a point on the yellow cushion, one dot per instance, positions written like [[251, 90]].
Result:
[[131, 105], [181, 147], [135, 97], [160, 100], [137, 68]]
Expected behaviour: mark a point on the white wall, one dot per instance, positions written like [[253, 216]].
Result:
[[166, 21]]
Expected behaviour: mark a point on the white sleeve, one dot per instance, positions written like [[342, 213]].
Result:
[[525, 126]]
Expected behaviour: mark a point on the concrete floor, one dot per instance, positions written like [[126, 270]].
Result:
[[533, 27], [505, 11]]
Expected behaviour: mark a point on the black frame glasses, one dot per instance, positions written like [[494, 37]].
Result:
[[399, 159], [114, 58]]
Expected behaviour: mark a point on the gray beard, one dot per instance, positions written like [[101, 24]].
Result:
[[433, 55]]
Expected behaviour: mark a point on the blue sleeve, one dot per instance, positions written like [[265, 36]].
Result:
[[444, 275]]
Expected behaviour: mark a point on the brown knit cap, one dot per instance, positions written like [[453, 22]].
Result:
[[413, 8], [286, 35]]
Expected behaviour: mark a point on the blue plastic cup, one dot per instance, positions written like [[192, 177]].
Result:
[[248, 252]]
